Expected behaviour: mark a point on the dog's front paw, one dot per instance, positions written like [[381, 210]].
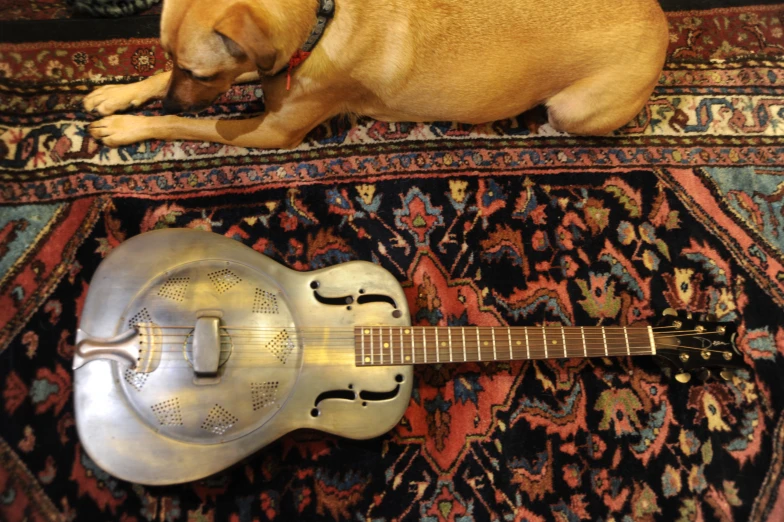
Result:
[[121, 129], [109, 99]]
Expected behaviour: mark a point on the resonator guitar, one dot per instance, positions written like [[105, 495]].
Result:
[[194, 351]]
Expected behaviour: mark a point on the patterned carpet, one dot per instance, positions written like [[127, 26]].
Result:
[[65, 9], [506, 223]]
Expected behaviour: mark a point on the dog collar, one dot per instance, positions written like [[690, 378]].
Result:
[[325, 12]]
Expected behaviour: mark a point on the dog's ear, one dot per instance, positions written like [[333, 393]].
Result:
[[244, 36]]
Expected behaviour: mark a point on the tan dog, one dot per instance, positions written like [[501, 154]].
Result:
[[593, 63]]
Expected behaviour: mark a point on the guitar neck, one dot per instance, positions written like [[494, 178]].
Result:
[[391, 346]]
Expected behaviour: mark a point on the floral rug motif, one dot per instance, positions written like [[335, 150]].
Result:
[[505, 223]]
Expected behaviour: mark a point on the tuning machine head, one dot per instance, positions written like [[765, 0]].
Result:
[[696, 344]]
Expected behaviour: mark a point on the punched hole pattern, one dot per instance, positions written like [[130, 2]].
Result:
[[281, 346], [135, 379], [265, 302], [218, 420], [174, 288], [224, 279], [263, 394], [168, 412], [142, 316]]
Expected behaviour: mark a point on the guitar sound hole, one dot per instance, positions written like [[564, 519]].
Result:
[[376, 298], [334, 301], [366, 395], [345, 395]]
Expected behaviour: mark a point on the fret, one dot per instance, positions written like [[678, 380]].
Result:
[[362, 338], [527, 345], [450, 345], [604, 336], [402, 358], [424, 344], [391, 348], [653, 344], [563, 336], [509, 338], [585, 348], [438, 347], [626, 336], [478, 343], [495, 356], [462, 331], [371, 346], [413, 344], [544, 337]]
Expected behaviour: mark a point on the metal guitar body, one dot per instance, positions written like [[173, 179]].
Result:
[[226, 361]]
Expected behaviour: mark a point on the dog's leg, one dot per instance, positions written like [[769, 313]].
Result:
[[290, 115], [595, 106], [109, 99], [113, 98]]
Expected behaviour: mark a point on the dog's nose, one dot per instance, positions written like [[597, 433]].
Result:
[[171, 106]]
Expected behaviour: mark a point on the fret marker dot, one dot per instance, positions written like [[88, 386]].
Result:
[[367, 331], [519, 343], [443, 344], [386, 345], [486, 343], [555, 342], [367, 359], [408, 358], [407, 331]]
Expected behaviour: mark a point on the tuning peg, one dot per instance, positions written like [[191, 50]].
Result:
[[710, 318], [671, 312], [683, 378], [704, 374], [727, 374]]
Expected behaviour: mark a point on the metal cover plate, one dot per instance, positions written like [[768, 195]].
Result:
[[260, 352]]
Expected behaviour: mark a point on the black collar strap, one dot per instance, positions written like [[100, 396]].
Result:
[[324, 15]]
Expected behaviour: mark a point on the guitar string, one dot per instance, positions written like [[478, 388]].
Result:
[[473, 355], [600, 340], [610, 344], [426, 328]]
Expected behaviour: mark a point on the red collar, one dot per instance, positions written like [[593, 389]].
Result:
[[325, 12], [295, 60]]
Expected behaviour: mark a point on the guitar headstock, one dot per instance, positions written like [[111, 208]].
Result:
[[692, 343]]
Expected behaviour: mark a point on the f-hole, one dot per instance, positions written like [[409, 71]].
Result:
[[376, 298], [347, 299], [334, 301], [346, 395], [365, 395], [379, 396]]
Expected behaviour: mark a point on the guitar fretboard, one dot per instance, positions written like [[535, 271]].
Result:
[[390, 346]]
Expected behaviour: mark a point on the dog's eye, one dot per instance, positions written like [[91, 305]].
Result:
[[199, 78], [204, 78]]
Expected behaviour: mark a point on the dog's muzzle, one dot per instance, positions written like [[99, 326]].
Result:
[[172, 106]]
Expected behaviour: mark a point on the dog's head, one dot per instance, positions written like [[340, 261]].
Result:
[[211, 42]]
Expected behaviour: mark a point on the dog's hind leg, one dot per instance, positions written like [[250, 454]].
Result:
[[596, 106]]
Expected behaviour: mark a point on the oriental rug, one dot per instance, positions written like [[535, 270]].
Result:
[[504, 223]]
